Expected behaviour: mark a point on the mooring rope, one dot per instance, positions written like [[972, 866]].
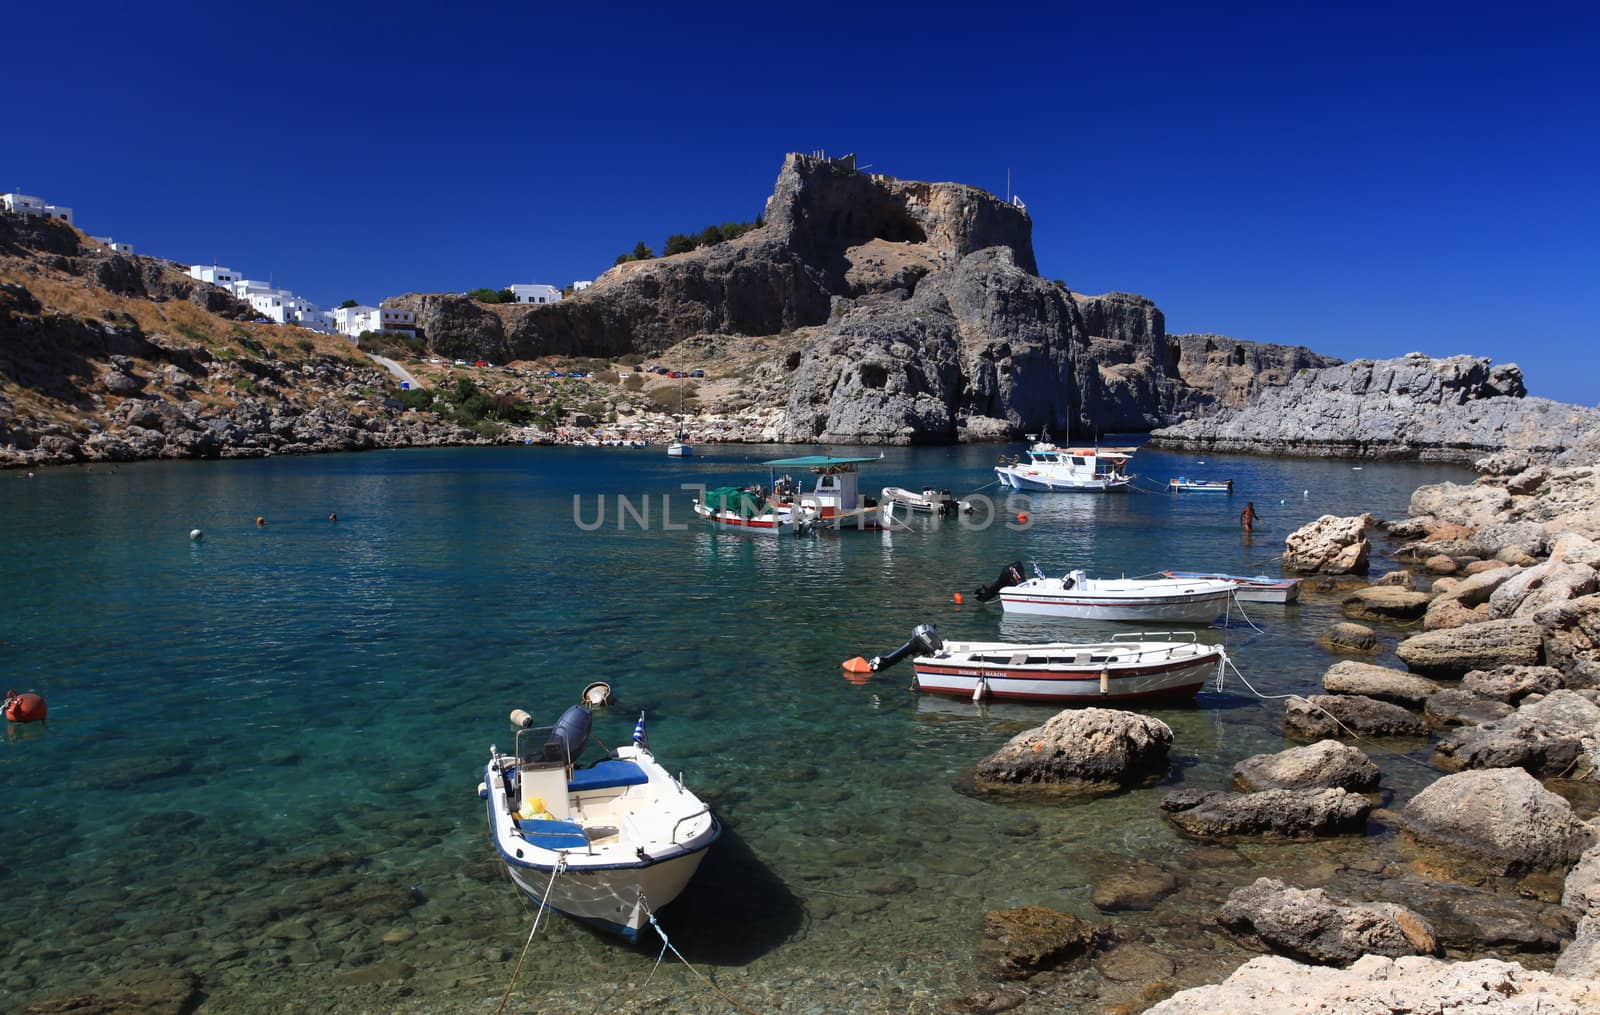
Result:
[[561, 865], [666, 944]]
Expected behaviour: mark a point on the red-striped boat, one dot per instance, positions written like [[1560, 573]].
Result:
[[1130, 666]]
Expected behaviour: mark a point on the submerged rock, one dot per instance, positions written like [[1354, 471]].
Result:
[[1323, 765], [1274, 813], [1139, 887], [1314, 926], [1474, 647], [1377, 984], [1335, 715], [1385, 603], [1380, 682], [1498, 820], [1350, 639], [1472, 919], [1088, 751], [1018, 943]]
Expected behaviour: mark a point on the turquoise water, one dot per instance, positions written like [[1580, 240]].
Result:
[[263, 747]]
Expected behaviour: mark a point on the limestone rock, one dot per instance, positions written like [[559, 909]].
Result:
[[1581, 893], [1314, 926], [1376, 984], [1445, 615], [1470, 505], [1474, 647], [1350, 638], [1324, 764], [1457, 706], [1530, 590], [1512, 683], [1399, 579], [1471, 919], [1385, 603], [1500, 820], [1441, 564], [1334, 715], [1581, 958], [1018, 943], [1141, 886], [1088, 751], [1380, 682], [1330, 545], [1273, 813], [1547, 737], [1475, 589]]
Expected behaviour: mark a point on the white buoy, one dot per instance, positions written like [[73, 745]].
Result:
[[1305, 493], [196, 535]]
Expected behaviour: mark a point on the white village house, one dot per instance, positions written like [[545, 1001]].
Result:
[[120, 248], [535, 293], [579, 287], [216, 274], [352, 322], [24, 204]]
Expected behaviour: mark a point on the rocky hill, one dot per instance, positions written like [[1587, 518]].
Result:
[[108, 357], [922, 316], [1451, 410]]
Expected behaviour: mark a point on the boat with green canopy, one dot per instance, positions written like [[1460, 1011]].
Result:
[[833, 502]]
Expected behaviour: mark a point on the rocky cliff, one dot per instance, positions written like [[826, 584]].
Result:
[[921, 310], [1451, 410]]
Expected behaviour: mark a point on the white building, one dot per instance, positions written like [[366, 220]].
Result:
[[352, 322], [120, 248], [579, 287], [216, 274], [24, 204], [535, 293]]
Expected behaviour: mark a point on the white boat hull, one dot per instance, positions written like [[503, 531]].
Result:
[[782, 523], [618, 901], [1164, 601], [1034, 481], [1254, 590], [679, 450], [1069, 673]]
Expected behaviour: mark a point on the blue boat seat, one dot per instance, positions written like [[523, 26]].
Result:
[[548, 834], [610, 774]]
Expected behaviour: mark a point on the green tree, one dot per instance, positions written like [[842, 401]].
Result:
[[347, 304], [678, 243], [491, 295], [642, 252]]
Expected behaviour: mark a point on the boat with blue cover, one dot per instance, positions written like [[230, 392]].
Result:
[[1183, 484], [607, 843]]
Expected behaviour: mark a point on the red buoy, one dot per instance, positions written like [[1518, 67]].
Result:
[[24, 707]]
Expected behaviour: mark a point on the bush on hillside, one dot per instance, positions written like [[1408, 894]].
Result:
[[492, 295]]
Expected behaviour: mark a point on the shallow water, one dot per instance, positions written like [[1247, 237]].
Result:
[[263, 747]]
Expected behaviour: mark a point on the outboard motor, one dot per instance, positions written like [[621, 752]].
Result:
[[925, 640], [1010, 575], [570, 736]]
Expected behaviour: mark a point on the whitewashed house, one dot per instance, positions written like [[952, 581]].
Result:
[[25, 204], [272, 304], [535, 293], [352, 322], [579, 287], [120, 248], [216, 274]]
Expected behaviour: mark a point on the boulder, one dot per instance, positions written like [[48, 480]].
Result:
[[1350, 639], [1273, 985], [1399, 579], [1471, 919], [1581, 893], [1455, 706], [1547, 737], [1581, 958], [1474, 589], [1575, 548], [1334, 715], [1380, 682], [1516, 556], [1474, 647], [1385, 603], [1500, 820], [1480, 566], [1443, 615], [1018, 943], [1530, 590], [1323, 765], [1512, 683], [1317, 927], [1080, 752], [1272, 813], [1441, 564], [1329, 545], [1472, 505]]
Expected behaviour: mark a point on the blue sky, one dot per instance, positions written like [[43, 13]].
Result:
[[1363, 181]]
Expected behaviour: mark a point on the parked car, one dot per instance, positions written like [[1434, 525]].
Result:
[[697, 373]]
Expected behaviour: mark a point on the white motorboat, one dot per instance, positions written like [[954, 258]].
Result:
[[928, 502], [1168, 664], [679, 449], [1183, 484], [1163, 600], [1258, 589], [1052, 469], [607, 843]]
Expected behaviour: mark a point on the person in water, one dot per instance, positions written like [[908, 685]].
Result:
[[1248, 516]]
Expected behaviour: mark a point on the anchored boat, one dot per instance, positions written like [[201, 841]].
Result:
[[1183, 484], [1163, 600], [834, 502], [1259, 589], [1145, 665], [747, 509], [1051, 469], [928, 502], [605, 843]]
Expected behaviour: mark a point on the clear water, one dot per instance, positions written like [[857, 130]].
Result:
[[263, 747]]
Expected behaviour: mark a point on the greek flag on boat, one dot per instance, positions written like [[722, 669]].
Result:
[[638, 733]]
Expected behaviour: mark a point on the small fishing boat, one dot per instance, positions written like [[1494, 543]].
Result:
[[745, 509], [1183, 484], [1258, 589], [607, 843], [1052, 469], [928, 502], [834, 502], [1171, 664], [1164, 600], [679, 449]]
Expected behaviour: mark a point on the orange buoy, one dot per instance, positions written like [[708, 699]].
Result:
[[958, 599], [24, 707], [260, 520], [1022, 518], [856, 665]]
